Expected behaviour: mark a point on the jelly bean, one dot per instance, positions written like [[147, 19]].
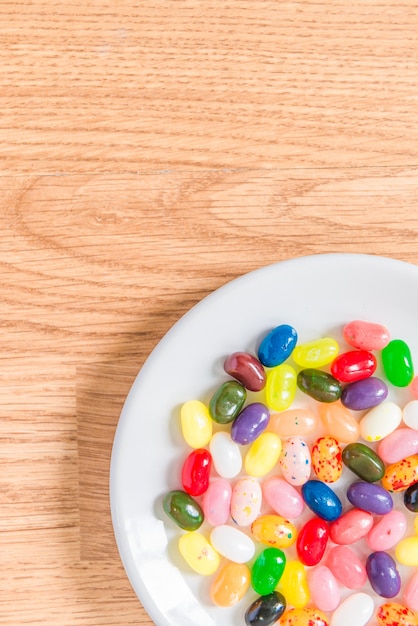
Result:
[[410, 595], [293, 584], [284, 499], [416, 524], [227, 402], [295, 461], [324, 589], [280, 387], [277, 345], [414, 387], [401, 475], [353, 365], [230, 585], [316, 353], [370, 497], [274, 530], [380, 421], [395, 614], [246, 501], [226, 455], [265, 610], [250, 423], [312, 541], [366, 335], [397, 363], [386, 533], [360, 605], [351, 527], [216, 502], [183, 510], [293, 423], [247, 369], [398, 445], [232, 543], [196, 424], [410, 414], [322, 500], [267, 570], [319, 385], [339, 422], [411, 498], [364, 394], [363, 461], [195, 472], [383, 574], [304, 617], [263, 454], [346, 567], [198, 553], [327, 461], [406, 551]]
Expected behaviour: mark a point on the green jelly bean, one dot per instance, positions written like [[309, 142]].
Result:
[[267, 570], [364, 462], [319, 385], [397, 363], [183, 510], [227, 402]]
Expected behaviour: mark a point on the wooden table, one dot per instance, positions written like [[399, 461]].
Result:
[[150, 152]]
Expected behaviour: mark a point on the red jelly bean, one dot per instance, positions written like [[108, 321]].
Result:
[[247, 369], [312, 541], [351, 527], [196, 472], [353, 365]]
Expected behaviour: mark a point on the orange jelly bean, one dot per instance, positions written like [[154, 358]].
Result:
[[399, 476], [339, 422], [293, 423], [231, 584], [327, 460], [395, 614], [274, 530], [304, 617]]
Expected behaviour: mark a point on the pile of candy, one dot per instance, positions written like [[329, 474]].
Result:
[[250, 434]]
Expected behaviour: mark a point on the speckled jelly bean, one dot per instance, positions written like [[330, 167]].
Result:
[[267, 570], [395, 614], [411, 498], [232, 543], [380, 421], [293, 423], [401, 475], [406, 551], [274, 530], [327, 460], [319, 385], [195, 472], [280, 387], [316, 353], [227, 402], [293, 584], [226, 455], [410, 414], [410, 595], [282, 497], [265, 610], [352, 526], [277, 345], [397, 363], [230, 584], [295, 461], [383, 574], [216, 502], [353, 365], [312, 541], [324, 588], [198, 553], [363, 461], [247, 369], [250, 423], [322, 500], [263, 454], [346, 567], [360, 605], [364, 394], [339, 422], [196, 423], [365, 335], [387, 532], [183, 510], [246, 501], [370, 497], [304, 617], [398, 445]]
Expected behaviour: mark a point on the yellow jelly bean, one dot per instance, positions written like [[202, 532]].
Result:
[[316, 353], [198, 553], [231, 584], [280, 387], [263, 454], [304, 617], [293, 584], [196, 423], [406, 551], [274, 530], [401, 475]]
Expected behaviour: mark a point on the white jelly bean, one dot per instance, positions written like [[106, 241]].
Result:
[[358, 607], [295, 461], [246, 501], [410, 414], [226, 455], [232, 543], [380, 421], [398, 445]]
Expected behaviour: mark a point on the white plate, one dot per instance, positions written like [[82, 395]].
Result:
[[317, 295]]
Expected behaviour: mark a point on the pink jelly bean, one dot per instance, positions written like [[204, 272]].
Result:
[[411, 593], [282, 497], [216, 502], [366, 335], [351, 527], [347, 567], [398, 445], [387, 532], [323, 585], [414, 386]]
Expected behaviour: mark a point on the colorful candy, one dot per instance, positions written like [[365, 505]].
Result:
[[399, 476], [304, 617], [267, 570], [293, 584], [293, 423], [406, 551], [386, 533], [346, 567], [196, 423], [397, 363], [295, 461], [351, 527], [410, 595], [247, 369], [198, 553], [363, 461], [265, 610], [284, 499], [359, 605], [339, 422], [246, 501], [383, 574], [398, 445], [370, 497], [263, 454], [365, 335], [183, 510], [410, 413], [216, 502], [232, 543], [280, 387], [312, 541], [324, 589], [277, 345], [364, 394], [316, 353], [274, 530], [327, 460], [411, 498], [354, 365], [322, 500], [319, 385], [227, 402], [195, 472], [395, 614], [250, 423], [380, 421], [226, 455], [230, 584]]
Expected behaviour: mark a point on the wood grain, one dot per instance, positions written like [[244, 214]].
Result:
[[151, 151]]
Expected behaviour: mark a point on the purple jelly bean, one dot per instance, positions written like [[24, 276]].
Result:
[[250, 423], [370, 497], [383, 574], [364, 394]]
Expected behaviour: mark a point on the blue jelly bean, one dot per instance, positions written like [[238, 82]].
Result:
[[250, 423], [364, 394], [322, 500], [278, 345]]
